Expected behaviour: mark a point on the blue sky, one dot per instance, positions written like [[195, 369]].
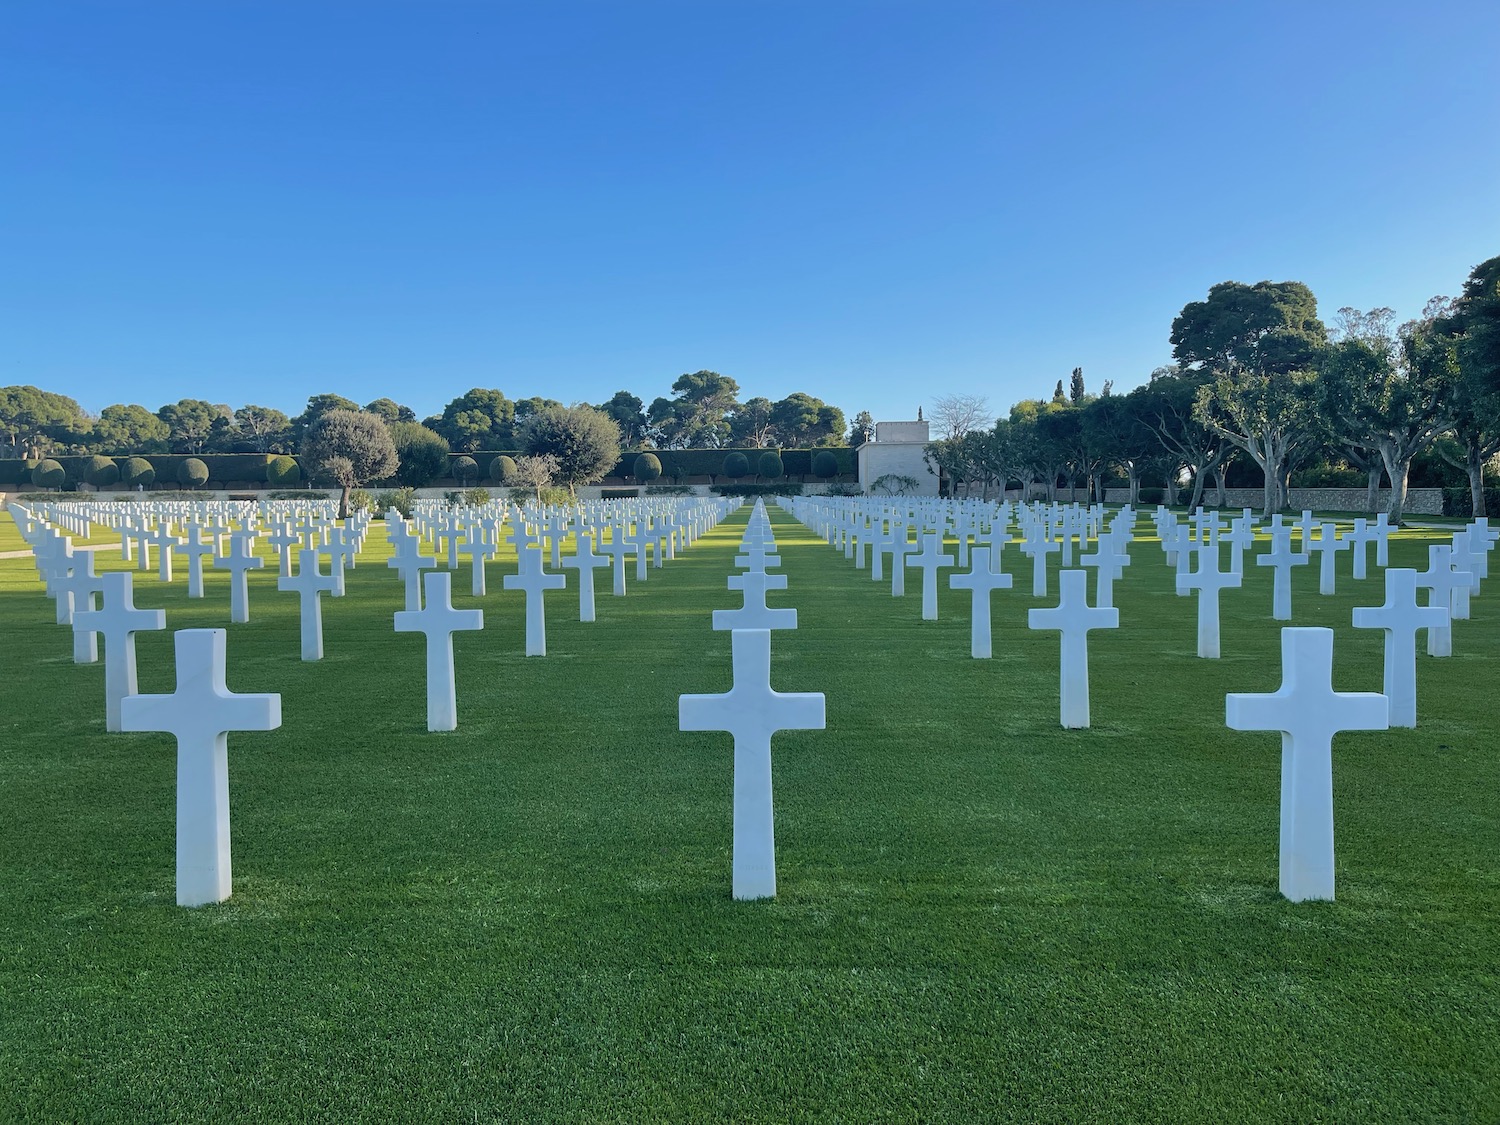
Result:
[[876, 203]]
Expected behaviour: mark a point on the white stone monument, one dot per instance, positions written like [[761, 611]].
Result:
[[1308, 713], [439, 620], [1073, 617], [201, 713]]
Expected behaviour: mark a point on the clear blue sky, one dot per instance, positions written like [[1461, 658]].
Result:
[[877, 203]]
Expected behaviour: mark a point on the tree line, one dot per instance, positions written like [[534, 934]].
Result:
[[704, 411], [1260, 382]]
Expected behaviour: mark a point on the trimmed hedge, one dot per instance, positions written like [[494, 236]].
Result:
[[784, 488], [138, 471], [825, 464], [646, 467], [679, 463], [283, 471], [49, 474], [736, 465], [192, 472], [771, 465]]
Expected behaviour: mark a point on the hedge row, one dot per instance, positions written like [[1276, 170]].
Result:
[[677, 463], [248, 467]]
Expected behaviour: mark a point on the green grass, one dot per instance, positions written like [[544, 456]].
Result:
[[982, 917]]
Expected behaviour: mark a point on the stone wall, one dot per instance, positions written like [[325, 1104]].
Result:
[[1419, 501]]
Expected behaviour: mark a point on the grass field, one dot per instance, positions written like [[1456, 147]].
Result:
[[982, 917]]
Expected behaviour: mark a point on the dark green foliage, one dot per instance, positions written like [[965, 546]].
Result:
[[736, 465], [584, 441], [647, 467], [283, 471], [464, 468], [669, 490], [192, 472], [422, 453], [782, 488], [825, 464], [502, 468], [400, 498], [101, 472], [137, 472], [770, 465], [619, 493], [49, 474]]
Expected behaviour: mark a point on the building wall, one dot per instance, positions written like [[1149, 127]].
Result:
[[903, 458]]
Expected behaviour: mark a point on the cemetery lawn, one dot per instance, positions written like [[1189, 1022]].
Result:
[[982, 917]]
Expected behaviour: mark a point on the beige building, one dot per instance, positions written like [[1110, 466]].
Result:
[[893, 462]]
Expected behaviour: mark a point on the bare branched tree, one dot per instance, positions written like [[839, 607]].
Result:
[[955, 415]]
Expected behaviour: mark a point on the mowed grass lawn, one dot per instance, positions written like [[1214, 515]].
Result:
[[982, 917]]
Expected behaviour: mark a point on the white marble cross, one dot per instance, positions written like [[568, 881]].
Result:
[[201, 713], [119, 620], [1382, 531], [439, 620], [409, 562], [617, 548], [76, 589], [1308, 713], [1328, 545], [478, 548], [754, 613], [1401, 618], [1442, 581], [238, 562], [1283, 558], [981, 582], [1208, 580], [1039, 548], [929, 560], [196, 548], [900, 547], [163, 540], [1074, 617], [1109, 565], [283, 538], [585, 562], [752, 712], [309, 583], [535, 582]]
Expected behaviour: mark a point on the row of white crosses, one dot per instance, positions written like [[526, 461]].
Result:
[[751, 710]]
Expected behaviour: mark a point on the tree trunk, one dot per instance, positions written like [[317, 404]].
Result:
[[1133, 478], [1200, 478], [1372, 494], [1398, 471], [344, 502], [1475, 469]]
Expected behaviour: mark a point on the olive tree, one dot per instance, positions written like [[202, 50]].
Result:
[[351, 448]]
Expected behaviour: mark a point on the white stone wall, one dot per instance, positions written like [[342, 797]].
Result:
[[1419, 501], [877, 458]]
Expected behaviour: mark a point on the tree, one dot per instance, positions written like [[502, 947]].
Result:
[[1261, 345], [391, 411], [956, 415], [698, 415], [753, 423], [1385, 397], [192, 473], [536, 471], [32, 421], [1167, 406], [49, 474], [189, 423], [1476, 325], [770, 465], [421, 453], [1113, 429], [825, 465], [583, 439], [736, 465], [629, 413], [647, 468], [1076, 392], [503, 469], [137, 472], [796, 419], [479, 419], [101, 472], [264, 429], [465, 469], [127, 428], [863, 429], [352, 448]]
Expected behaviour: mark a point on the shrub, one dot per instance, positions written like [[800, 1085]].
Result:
[[49, 474], [619, 493], [464, 469], [844, 488], [283, 472], [282, 494], [101, 472], [736, 465], [669, 490], [421, 453], [476, 497], [770, 465], [399, 498], [360, 500], [647, 467], [825, 464], [549, 495], [193, 473], [1152, 495], [503, 469]]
